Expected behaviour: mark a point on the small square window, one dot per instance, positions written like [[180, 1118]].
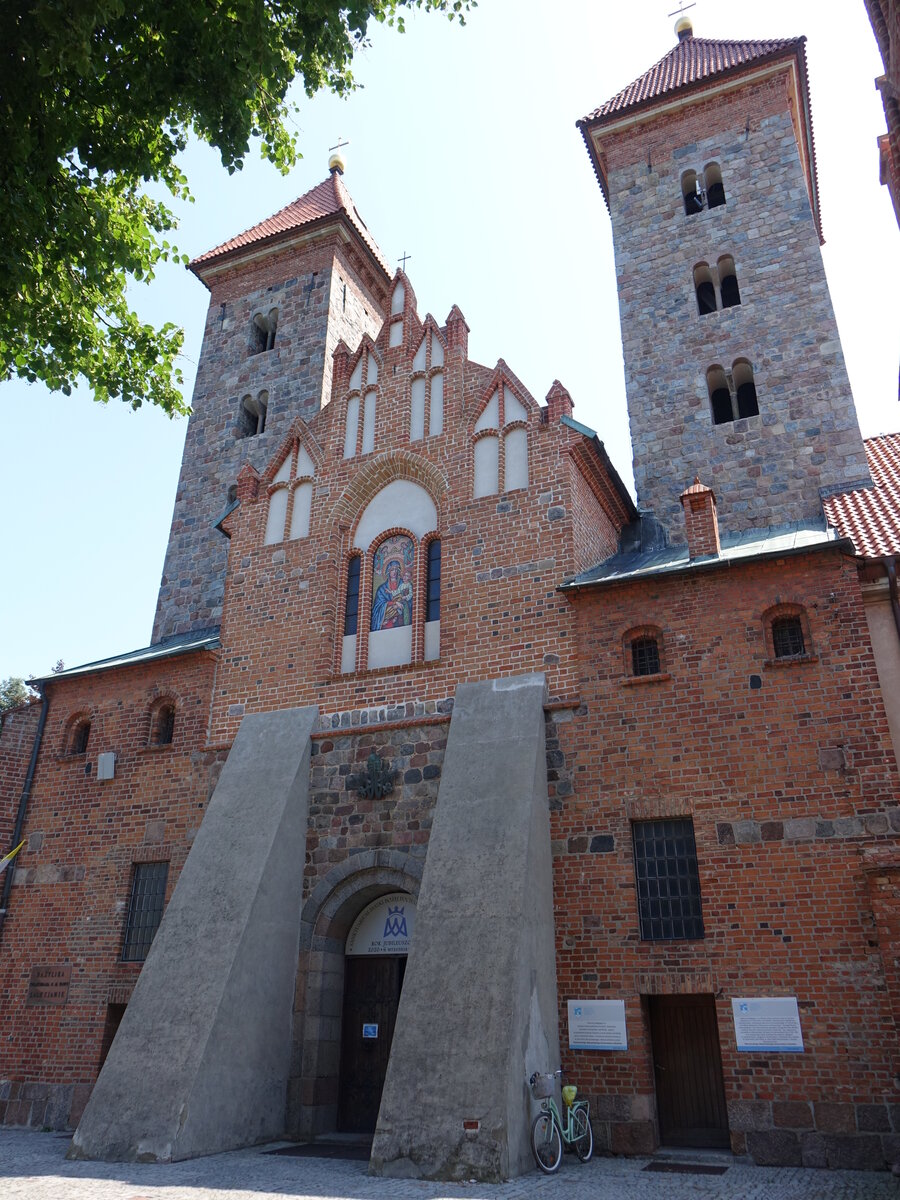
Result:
[[668, 882], [787, 637], [145, 910], [645, 656]]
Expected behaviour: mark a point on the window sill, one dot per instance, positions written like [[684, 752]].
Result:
[[376, 672], [795, 660], [638, 680], [154, 749], [70, 757]]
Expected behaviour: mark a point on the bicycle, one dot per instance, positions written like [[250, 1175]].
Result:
[[549, 1132]]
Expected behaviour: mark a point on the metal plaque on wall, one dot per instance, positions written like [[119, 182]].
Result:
[[48, 985]]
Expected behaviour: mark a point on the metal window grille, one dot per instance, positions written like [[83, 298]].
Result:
[[145, 910], [351, 606], [668, 884], [165, 725], [433, 608], [787, 637], [645, 656]]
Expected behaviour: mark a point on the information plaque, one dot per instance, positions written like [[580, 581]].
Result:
[[767, 1024], [597, 1025], [48, 985]]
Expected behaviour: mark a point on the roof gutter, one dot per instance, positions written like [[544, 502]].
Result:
[[23, 805]]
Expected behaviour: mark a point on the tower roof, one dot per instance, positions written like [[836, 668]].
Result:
[[871, 515], [324, 203], [690, 63]]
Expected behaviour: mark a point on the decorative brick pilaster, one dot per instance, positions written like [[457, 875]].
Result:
[[701, 522]]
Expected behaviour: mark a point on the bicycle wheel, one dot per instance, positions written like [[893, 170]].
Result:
[[582, 1134], [546, 1144]]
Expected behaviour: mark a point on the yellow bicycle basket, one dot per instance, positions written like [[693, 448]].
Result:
[[568, 1094]]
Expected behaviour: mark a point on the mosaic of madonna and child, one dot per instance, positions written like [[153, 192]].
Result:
[[392, 600]]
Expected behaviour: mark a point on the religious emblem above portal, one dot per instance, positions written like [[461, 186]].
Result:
[[392, 587]]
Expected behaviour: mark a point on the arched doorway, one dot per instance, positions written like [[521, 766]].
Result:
[[374, 965]]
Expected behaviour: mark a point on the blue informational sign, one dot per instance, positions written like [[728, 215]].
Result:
[[370, 1031]]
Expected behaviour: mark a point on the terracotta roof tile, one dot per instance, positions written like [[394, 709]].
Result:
[[691, 61], [330, 198], [871, 516]]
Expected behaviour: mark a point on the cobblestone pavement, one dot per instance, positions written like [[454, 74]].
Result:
[[33, 1167]]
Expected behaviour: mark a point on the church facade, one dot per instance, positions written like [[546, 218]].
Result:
[[447, 762]]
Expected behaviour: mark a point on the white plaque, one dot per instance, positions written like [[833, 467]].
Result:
[[767, 1024], [597, 1025], [384, 927]]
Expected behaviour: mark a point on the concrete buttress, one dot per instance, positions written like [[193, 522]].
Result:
[[478, 1010], [201, 1059]]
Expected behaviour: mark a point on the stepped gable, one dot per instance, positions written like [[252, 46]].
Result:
[[327, 200], [870, 517]]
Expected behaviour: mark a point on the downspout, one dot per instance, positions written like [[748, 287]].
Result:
[[890, 565], [23, 805]]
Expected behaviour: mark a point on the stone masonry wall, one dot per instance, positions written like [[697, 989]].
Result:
[[764, 469], [321, 296], [786, 770]]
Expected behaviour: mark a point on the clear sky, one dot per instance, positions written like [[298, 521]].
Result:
[[464, 154]]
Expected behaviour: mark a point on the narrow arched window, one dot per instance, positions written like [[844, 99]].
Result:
[[705, 289], [787, 637], [719, 396], [745, 388], [163, 725], [80, 737], [252, 415], [262, 331], [433, 597], [351, 602], [715, 189], [645, 656], [728, 284], [690, 192]]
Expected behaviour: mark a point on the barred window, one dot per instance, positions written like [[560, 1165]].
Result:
[[787, 637], [351, 603], [145, 910], [645, 656], [668, 883], [433, 603]]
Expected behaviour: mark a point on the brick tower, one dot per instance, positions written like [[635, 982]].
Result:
[[282, 295], [733, 364]]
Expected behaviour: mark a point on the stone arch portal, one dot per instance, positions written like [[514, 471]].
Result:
[[336, 913]]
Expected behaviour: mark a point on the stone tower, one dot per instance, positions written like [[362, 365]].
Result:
[[282, 295], [733, 364]]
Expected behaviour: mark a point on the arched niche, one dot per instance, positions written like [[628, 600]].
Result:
[[401, 503]]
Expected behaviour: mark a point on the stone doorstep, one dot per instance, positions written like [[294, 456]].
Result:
[[705, 1155]]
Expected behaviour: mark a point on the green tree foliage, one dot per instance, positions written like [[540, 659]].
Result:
[[97, 99], [13, 693]]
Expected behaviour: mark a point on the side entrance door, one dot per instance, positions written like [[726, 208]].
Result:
[[371, 995], [690, 1094]]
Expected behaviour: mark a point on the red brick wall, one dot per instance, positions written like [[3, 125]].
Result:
[[785, 782], [16, 740]]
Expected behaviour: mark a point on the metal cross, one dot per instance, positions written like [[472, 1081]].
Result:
[[682, 9], [405, 259], [339, 144]]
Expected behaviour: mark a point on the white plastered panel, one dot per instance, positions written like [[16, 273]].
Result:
[[515, 460], [283, 474], [348, 654], [305, 464], [396, 334], [372, 371], [275, 519], [417, 417], [368, 437], [436, 412], [489, 416], [487, 457], [300, 514], [352, 430], [356, 377], [390, 647], [419, 360], [401, 503], [397, 299], [437, 351], [432, 640], [513, 409]]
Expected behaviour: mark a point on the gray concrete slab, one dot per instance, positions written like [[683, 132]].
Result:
[[201, 1059], [33, 1167], [478, 1011]]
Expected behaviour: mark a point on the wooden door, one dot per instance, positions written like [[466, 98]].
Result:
[[371, 995], [690, 1094]]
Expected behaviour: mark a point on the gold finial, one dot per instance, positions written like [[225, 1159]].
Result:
[[337, 161], [683, 26]]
